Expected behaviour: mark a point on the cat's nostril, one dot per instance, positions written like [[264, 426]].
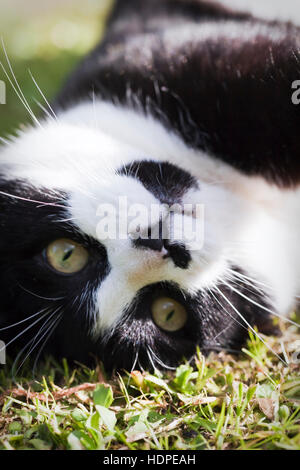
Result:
[[178, 253], [152, 244]]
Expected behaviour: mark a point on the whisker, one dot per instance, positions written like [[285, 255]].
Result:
[[52, 299], [228, 313], [151, 360], [133, 366], [252, 281], [4, 141], [222, 331], [284, 352], [246, 283], [46, 326], [249, 326], [261, 306], [45, 342], [16, 87], [32, 200], [18, 95], [13, 372], [30, 342], [159, 361], [135, 361], [45, 110], [140, 366], [24, 331], [42, 94], [24, 320]]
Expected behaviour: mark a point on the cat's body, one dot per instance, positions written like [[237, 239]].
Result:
[[183, 102]]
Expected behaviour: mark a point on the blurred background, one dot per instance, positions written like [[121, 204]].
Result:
[[47, 38]]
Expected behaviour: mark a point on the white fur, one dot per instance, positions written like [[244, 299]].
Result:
[[285, 10], [247, 221]]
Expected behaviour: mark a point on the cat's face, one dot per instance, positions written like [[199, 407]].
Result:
[[127, 297]]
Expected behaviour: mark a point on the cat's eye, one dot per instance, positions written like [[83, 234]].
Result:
[[168, 314], [67, 256]]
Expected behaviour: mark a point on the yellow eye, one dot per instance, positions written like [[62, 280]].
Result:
[[67, 256], [168, 314]]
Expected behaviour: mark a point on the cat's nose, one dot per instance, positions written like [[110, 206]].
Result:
[[176, 251], [152, 244]]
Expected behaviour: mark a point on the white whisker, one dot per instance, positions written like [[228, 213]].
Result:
[[4, 141], [32, 200], [261, 306], [42, 107], [24, 320], [42, 94], [228, 313], [249, 326], [53, 299], [24, 331], [52, 329], [253, 282], [16, 87], [46, 326], [30, 342], [159, 361]]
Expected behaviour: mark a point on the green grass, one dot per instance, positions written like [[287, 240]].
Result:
[[222, 402], [49, 46]]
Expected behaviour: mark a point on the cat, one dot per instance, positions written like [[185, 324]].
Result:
[[185, 103]]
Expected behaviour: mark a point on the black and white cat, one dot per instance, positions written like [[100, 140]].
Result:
[[183, 102]]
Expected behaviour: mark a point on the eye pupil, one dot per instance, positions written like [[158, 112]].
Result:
[[170, 315], [67, 255]]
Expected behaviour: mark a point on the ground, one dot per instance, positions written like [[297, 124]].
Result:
[[221, 402]]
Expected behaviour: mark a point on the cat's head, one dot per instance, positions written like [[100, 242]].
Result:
[[109, 249]]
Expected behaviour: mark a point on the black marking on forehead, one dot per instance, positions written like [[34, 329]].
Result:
[[167, 182]]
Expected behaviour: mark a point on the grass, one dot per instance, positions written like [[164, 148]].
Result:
[[221, 402], [49, 44]]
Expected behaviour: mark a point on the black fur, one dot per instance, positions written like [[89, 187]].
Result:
[[228, 96], [166, 182], [29, 285]]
